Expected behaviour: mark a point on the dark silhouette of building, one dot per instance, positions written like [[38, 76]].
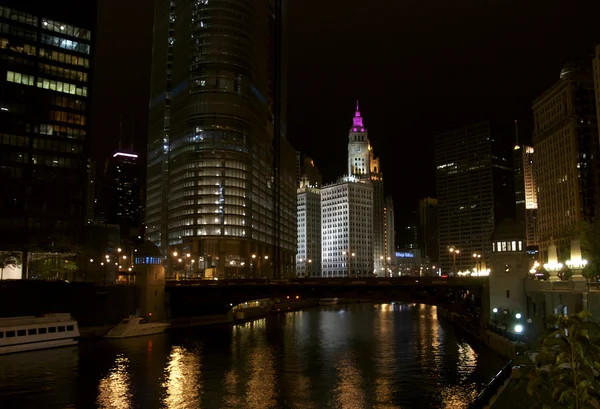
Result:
[[124, 194], [221, 182], [45, 72], [427, 229], [475, 188]]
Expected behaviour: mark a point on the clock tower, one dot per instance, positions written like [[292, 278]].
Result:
[[358, 148]]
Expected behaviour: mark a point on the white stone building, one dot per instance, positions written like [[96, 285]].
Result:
[[347, 232], [308, 258]]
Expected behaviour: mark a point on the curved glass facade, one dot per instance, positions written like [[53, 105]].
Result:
[[210, 155]]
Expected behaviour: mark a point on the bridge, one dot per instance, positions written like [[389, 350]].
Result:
[[465, 296]]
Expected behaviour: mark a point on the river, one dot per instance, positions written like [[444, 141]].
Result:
[[355, 356]]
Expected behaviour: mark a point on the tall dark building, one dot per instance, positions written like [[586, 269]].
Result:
[[221, 182], [45, 61], [124, 197], [475, 188], [427, 229]]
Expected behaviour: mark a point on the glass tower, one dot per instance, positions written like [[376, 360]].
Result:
[[213, 188]]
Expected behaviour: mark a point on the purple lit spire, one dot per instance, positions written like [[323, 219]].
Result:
[[357, 125]]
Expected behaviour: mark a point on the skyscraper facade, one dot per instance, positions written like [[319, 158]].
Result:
[[217, 121], [475, 188], [427, 229], [123, 198], [379, 220], [565, 140], [347, 231], [390, 233], [308, 259], [596, 68], [525, 192], [45, 63]]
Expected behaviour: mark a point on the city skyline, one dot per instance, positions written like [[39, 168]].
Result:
[[484, 77]]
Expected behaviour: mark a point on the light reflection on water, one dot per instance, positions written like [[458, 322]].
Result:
[[348, 357], [183, 384], [114, 389]]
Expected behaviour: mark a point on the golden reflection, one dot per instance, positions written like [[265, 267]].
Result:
[[458, 396], [349, 392], [383, 334], [232, 398], [114, 389], [182, 380], [260, 392]]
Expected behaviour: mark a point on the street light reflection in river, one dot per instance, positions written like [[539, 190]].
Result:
[[183, 384], [349, 393], [114, 389]]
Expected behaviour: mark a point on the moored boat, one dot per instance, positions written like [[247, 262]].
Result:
[[136, 327], [20, 334], [328, 301]]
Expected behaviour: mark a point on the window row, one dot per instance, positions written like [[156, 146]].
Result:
[[63, 131], [68, 117], [67, 29], [65, 58], [69, 102], [60, 86], [14, 140], [57, 146], [19, 78], [19, 48], [19, 16], [63, 72], [36, 331], [54, 161], [65, 43]]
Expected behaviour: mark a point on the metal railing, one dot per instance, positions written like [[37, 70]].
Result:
[[483, 398]]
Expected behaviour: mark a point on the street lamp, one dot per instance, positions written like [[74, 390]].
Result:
[[477, 258], [454, 252], [174, 254], [119, 249], [518, 316]]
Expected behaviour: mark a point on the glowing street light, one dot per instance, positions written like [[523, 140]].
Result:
[[188, 255], [266, 257], [454, 252], [124, 257], [254, 256], [119, 249], [91, 260], [518, 328], [495, 310], [174, 254], [518, 316]]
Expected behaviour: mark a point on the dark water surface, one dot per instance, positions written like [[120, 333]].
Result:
[[357, 356]]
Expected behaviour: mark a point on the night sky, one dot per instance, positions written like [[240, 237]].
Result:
[[418, 68]]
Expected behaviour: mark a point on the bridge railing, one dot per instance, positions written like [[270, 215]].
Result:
[[492, 387], [333, 281]]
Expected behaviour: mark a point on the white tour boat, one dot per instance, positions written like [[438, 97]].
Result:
[[20, 334], [328, 301], [136, 327]]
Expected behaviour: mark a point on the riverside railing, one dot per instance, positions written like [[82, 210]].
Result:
[[483, 398]]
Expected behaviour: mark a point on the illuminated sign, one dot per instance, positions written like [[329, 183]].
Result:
[[404, 255], [129, 155]]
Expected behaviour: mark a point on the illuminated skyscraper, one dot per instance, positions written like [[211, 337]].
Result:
[[221, 182], [525, 192], [308, 259], [347, 228], [45, 63], [565, 140], [390, 233], [347, 212], [379, 214]]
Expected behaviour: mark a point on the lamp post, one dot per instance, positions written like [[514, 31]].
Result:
[[553, 266], [477, 258], [348, 255], [576, 263], [454, 252]]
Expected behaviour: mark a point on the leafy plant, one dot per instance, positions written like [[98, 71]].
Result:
[[565, 373], [8, 259]]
